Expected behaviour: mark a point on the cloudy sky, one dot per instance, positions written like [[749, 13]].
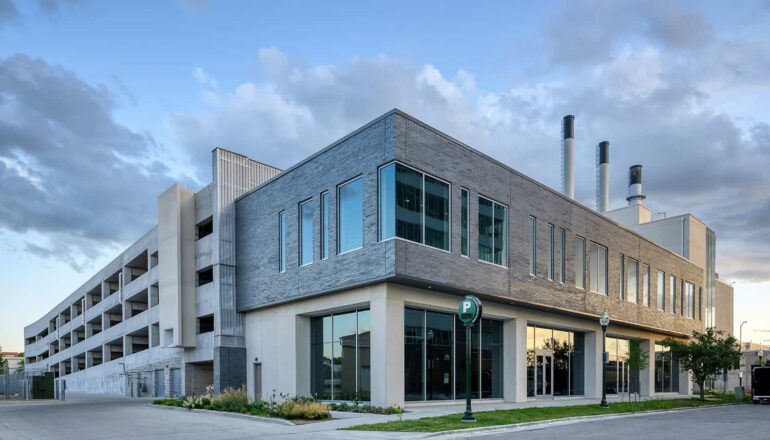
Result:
[[103, 106]]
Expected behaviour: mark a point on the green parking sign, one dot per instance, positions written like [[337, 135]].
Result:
[[469, 310]]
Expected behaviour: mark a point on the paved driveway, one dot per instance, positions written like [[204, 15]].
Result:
[[744, 422]]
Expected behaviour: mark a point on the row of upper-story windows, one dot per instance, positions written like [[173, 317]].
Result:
[[416, 206], [412, 205], [598, 271]]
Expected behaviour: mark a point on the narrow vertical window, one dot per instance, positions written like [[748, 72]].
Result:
[[493, 232], [700, 303], [282, 241], [622, 276], [598, 272], [633, 281], [350, 218], [387, 195], [562, 256], [464, 217], [551, 256], [672, 295], [661, 290], [646, 285], [580, 262], [324, 225], [500, 243], [305, 233], [532, 245]]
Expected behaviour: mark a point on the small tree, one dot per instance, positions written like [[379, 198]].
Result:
[[2, 361], [705, 355], [637, 361], [20, 367]]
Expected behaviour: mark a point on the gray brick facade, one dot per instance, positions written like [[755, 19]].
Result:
[[396, 136]]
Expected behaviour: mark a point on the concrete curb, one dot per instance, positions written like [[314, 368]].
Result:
[[526, 426], [273, 420]]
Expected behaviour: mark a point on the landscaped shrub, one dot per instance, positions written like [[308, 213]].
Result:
[[358, 407], [231, 400], [305, 410], [237, 400]]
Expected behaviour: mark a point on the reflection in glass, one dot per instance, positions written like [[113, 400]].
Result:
[[436, 213], [305, 233], [438, 346], [555, 362], [340, 356], [324, 225], [500, 236], [486, 234], [350, 220], [464, 222], [414, 355]]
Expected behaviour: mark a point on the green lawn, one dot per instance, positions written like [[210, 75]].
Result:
[[512, 416]]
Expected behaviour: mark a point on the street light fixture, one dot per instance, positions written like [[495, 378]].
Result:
[[760, 354], [604, 321], [740, 345]]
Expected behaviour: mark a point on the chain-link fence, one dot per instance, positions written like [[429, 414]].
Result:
[[15, 386]]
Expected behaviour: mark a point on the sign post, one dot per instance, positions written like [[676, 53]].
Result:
[[469, 312]]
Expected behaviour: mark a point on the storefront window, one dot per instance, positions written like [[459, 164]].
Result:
[[434, 357], [555, 362], [340, 356], [666, 371]]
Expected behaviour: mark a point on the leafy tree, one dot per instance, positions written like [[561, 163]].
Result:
[[705, 355], [2, 361], [20, 367], [637, 361]]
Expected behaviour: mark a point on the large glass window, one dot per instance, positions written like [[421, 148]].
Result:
[[464, 217], [666, 371], [324, 225], [340, 366], [493, 232], [672, 294], [434, 357], [532, 245], [633, 280], [562, 256], [617, 374], [661, 286], [598, 269], [305, 233], [551, 252], [646, 285], [350, 215], [580, 262], [555, 362], [282, 241], [414, 206]]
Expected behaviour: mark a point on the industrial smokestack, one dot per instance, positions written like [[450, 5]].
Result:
[[603, 176], [567, 156], [635, 194]]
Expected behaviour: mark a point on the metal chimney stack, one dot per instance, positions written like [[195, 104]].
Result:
[[635, 194], [567, 156], [603, 176]]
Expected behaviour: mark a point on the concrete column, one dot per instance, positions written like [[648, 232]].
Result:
[[387, 350], [302, 346], [89, 359], [594, 369], [647, 375], [515, 360], [106, 353]]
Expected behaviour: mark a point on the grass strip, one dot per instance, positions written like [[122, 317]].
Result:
[[524, 415]]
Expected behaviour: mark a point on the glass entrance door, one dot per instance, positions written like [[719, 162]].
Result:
[[544, 374]]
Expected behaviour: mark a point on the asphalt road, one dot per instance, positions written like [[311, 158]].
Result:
[[126, 419], [744, 422]]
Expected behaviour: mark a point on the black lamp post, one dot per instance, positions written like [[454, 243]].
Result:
[[604, 321]]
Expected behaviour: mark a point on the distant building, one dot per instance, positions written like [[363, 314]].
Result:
[[340, 278], [12, 361]]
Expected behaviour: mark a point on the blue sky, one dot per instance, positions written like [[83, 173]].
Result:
[[148, 88]]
